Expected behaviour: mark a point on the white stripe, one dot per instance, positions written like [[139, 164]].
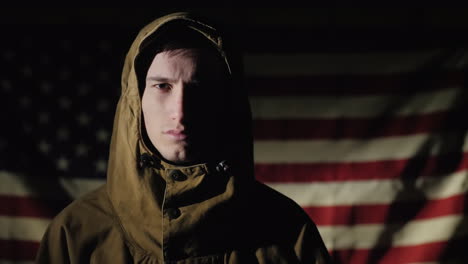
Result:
[[19, 185], [22, 228], [5, 261], [309, 107], [388, 148], [304, 64], [79, 187], [374, 192], [404, 234]]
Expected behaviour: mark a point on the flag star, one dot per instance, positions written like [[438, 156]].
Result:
[[46, 87], [62, 134], [8, 55], [25, 102], [81, 150], [102, 135], [44, 147], [62, 164], [6, 85], [83, 119], [83, 89], [66, 45], [104, 45], [103, 75], [64, 74], [3, 143], [64, 102], [84, 59], [27, 71], [44, 59], [43, 117], [101, 166], [27, 128], [103, 105]]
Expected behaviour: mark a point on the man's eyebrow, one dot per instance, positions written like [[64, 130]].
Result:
[[159, 79], [168, 80]]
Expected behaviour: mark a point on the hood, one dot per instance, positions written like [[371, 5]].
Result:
[[136, 193]]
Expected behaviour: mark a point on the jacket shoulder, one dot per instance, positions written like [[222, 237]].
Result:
[[93, 208], [269, 201], [79, 228], [279, 220]]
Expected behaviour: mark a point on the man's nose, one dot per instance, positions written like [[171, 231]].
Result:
[[178, 107]]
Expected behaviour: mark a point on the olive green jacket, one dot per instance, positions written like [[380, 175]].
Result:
[[151, 211]]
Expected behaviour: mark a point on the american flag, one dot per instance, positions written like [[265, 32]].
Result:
[[370, 138]]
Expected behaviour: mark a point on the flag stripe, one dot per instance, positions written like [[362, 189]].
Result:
[[345, 171], [30, 206], [14, 185], [299, 64], [330, 107], [403, 234], [389, 148], [372, 192], [396, 212], [426, 253], [340, 128], [348, 85], [17, 251], [22, 228]]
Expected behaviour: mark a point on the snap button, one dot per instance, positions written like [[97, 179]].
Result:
[[222, 166], [178, 176], [173, 213], [146, 161]]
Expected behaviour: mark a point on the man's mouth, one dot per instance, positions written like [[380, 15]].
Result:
[[176, 134]]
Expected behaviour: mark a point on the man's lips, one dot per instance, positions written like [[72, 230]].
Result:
[[176, 134]]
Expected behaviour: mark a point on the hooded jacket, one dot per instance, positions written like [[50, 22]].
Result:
[[152, 211]]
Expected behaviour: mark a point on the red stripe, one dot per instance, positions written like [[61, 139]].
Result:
[[353, 84], [346, 171], [428, 252], [398, 212], [357, 127], [30, 206], [18, 250]]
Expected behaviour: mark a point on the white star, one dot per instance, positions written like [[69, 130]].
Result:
[[103, 75], [81, 150], [27, 128], [64, 74], [84, 59], [3, 143], [66, 44], [64, 102], [83, 119], [27, 71], [44, 59], [25, 102], [102, 135], [6, 85], [101, 166], [104, 45], [44, 147], [8, 55], [62, 134], [83, 89], [62, 164], [43, 117], [103, 105], [46, 87]]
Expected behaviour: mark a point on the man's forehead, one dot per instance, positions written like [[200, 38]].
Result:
[[188, 62]]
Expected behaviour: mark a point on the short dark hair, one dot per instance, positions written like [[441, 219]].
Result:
[[171, 37]]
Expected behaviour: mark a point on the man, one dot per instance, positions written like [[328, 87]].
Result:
[[180, 185]]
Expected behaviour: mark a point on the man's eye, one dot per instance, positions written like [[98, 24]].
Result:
[[162, 86]]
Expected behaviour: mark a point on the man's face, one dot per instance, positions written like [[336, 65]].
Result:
[[181, 104]]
